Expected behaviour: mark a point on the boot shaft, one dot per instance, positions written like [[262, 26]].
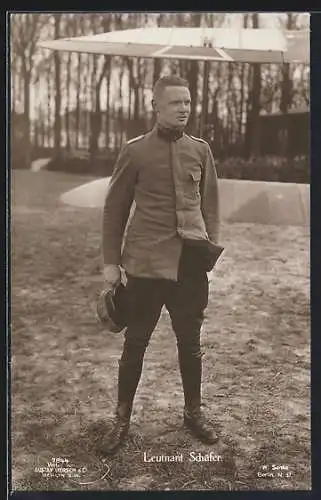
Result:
[[124, 410]]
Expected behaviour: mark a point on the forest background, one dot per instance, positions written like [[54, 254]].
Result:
[[79, 109]]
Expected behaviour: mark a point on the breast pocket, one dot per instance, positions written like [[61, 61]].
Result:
[[192, 183]]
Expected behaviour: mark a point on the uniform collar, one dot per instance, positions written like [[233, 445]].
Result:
[[170, 135]]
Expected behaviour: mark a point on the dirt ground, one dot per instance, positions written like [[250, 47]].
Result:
[[256, 344]]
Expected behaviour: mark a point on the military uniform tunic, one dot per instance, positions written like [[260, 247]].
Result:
[[174, 191]]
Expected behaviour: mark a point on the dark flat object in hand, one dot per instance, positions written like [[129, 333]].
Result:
[[209, 252]]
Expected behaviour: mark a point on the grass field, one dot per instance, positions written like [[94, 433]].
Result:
[[255, 339]]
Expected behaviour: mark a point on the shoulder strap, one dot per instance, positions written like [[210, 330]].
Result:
[[198, 139], [138, 138]]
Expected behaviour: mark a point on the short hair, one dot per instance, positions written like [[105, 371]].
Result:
[[168, 81]]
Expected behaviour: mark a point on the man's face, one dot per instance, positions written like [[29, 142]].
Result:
[[173, 107]]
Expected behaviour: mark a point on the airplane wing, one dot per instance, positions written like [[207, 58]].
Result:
[[211, 44]]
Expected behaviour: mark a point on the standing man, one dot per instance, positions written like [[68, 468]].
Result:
[[170, 245]]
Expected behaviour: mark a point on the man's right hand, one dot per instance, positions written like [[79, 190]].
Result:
[[112, 275]]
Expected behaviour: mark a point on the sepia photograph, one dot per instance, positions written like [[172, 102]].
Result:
[[160, 251]]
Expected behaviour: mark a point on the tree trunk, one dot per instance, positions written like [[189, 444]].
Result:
[[248, 126], [130, 93], [204, 116], [137, 94], [229, 131], [78, 111], [58, 91], [243, 66], [42, 127], [216, 124], [13, 86], [21, 85], [136, 104], [241, 112], [37, 121], [85, 123], [286, 94], [286, 91], [256, 93], [76, 114], [49, 104], [157, 70], [26, 115], [136, 83], [180, 22], [252, 139], [193, 67], [108, 117], [120, 110], [141, 80], [107, 26], [95, 126], [96, 114], [255, 112], [93, 143], [68, 107], [131, 86], [193, 70]]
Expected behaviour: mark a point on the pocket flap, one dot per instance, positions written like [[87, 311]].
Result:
[[196, 175]]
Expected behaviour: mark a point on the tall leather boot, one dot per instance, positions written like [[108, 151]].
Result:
[[194, 420], [128, 379], [120, 429]]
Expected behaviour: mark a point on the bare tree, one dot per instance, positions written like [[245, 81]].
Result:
[[68, 73], [237, 92], [286, 89], [57, 62], [193, 69], [25, 33], [77, 28], [100, 65], [96, 123], [252, 138], [50, 120], [108, 80], [242, 90], [120, 109], [158, 62], [14, 80]]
